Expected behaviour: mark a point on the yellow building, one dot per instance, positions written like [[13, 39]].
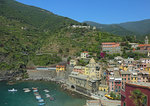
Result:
[[147, 68], [87, 71], [134, 78], [124, 68], [60, 68], [103, 88], [73, 62]]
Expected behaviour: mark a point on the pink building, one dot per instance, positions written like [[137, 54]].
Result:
[[78, 69], [114, 84], [126, 78], [145, 60], [126, 95]]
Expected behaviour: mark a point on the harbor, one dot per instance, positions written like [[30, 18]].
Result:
[[37, 93]]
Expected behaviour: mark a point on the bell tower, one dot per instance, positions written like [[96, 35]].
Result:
[[146, 40]]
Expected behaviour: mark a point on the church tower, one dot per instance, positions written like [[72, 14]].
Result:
[[146, 40]]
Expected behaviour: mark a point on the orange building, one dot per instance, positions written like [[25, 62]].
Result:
[[60, 68], [144, 46]]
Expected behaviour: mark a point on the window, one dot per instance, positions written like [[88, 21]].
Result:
[[124, 104], [128, 78], [125, 78]]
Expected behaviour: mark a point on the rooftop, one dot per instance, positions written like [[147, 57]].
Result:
[[84, 77], [110, 44], [60, 65], [142, 45], [85, 52], [125, 72], [142, 84]]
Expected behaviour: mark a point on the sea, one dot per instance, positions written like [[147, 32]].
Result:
[[20, 98]]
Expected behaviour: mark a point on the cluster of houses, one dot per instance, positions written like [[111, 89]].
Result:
[[121, 71], [116, 74], [112, 47], [82, 26]]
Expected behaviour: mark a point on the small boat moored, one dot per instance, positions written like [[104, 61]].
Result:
[[40, 100], [12, 90], [47, 95], [41, 104], [46, 90]]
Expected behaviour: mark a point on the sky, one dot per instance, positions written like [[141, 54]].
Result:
[[100, 11]]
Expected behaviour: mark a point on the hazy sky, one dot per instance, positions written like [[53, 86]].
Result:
[[101, 11]]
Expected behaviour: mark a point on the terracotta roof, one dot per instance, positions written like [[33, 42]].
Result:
[[108, 43], [142, 45], [60, 66], [113, 44], [85, 52]]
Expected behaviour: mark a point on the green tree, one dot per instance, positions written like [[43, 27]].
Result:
[[138, 97]]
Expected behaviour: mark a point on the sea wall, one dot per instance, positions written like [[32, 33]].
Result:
[[41, 74]]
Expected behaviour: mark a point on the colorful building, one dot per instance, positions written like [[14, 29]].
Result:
[[60, 68], [103, 88], [73, 62], [83, 83], [111, 47], [114, 84], [84, 54], [126, 78], [143, 76], [127, 95], [79, 69], [144, 46], [134, 77]]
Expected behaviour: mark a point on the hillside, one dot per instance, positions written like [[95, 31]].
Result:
[[141, 27], [32, 36], [37, 17], [112, 28], [128, 28]]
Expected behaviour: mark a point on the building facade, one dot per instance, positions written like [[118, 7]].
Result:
[[111, 48], [127, 98], [84, 54]]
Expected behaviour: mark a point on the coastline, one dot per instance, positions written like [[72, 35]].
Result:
[[62, 84]]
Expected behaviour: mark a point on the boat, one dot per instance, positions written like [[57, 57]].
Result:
[[40, 100], [47, 95], [12, 90], [27, 90], [46, 90], [38, 97], [36, 93], [35, 90], [41, 104]]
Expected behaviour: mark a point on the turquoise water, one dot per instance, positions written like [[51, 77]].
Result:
[[20, 98]]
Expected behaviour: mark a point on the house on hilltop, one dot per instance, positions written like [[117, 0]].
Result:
[[111, 47]]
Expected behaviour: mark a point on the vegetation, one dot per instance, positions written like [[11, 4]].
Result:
[[82, 62], [115, 96], [112, 28], [31, 36], [137, 28], [138, 98]]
